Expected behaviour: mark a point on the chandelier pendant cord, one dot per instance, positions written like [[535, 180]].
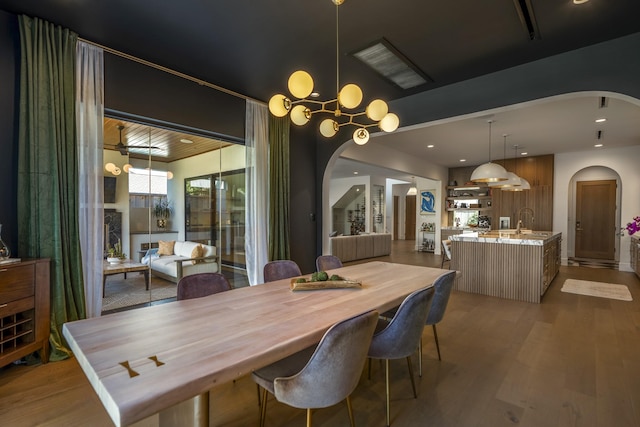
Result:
[[337, 60]]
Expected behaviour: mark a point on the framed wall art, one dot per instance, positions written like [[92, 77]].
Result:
[[427, 202]]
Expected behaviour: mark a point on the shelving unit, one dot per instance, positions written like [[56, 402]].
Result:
[[469, 196], [428, 237]]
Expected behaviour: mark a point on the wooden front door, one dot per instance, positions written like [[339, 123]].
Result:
[[595, 219], [410, 218]]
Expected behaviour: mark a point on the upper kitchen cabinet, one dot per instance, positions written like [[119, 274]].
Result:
[[537, 170]]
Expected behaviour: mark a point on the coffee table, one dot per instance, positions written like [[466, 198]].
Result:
[[126, 266]]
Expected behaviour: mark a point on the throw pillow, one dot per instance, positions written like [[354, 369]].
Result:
[[197, 252], [166, 248]]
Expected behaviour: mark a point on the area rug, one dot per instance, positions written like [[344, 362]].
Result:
[[121, 293], [597, 289]]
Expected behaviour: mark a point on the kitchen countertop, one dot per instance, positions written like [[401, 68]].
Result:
[[526, 237]]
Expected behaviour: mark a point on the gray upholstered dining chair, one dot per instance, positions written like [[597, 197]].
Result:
[[443, 286], [446, 253], [327, 262], [400, 337], [201, 284], [281, 269], [322, 375]]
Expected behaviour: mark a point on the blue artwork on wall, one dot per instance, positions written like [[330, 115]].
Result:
[[427, 202]]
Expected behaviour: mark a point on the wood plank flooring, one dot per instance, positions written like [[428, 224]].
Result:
[[570, 361]]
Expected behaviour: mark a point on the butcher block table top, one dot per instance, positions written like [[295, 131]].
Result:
[[143, 361]]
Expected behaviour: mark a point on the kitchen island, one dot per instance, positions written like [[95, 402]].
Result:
[[506, 264]]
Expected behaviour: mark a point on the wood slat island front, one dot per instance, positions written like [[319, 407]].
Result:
[[179, 350], [506, 265]]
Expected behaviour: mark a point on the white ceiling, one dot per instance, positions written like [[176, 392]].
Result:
[[561, 125]]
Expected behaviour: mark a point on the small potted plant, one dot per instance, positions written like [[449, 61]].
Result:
[[162, 211], [115, 254]]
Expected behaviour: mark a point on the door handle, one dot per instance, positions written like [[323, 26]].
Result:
[[578, 228]]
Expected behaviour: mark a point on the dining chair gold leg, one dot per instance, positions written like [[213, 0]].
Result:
[[258, 389], [308, 417], [413, 382], [263, 409], [350, 409], [386, 371], [435, 334], [420, 358]]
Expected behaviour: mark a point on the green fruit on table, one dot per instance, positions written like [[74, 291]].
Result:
[[335, 277], [301, 280], [323, 276], [314, 277]]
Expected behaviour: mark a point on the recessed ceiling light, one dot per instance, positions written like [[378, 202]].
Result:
[[355, 173], [524, 153], [430, 146], [314, 95], [186, 141], [463, 160], [579, 1], [598, 145], [601, 120]]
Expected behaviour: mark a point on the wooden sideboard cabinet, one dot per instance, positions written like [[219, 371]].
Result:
[[24, 310]]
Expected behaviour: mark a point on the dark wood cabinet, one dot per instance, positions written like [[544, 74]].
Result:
[[538, 171], [24, 310]]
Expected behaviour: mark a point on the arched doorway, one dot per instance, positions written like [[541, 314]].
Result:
[[594, 217]]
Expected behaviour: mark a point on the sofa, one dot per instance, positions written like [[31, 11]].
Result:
[[361, 246], [175, 259]]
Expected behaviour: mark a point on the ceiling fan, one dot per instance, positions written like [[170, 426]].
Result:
[[124, 149]]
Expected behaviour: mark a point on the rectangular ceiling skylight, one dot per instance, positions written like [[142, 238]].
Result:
[[391, 64]]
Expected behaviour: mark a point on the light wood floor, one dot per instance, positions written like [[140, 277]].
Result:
[[570, 361]]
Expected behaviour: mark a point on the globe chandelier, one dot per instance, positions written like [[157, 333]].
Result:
[[300, 110]]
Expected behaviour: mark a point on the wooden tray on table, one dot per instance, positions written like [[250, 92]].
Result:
[[325, 284]]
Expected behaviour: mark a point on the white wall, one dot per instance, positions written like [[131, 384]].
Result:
[[625, 161]]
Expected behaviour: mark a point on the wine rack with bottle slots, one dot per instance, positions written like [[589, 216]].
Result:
[[24, 310]]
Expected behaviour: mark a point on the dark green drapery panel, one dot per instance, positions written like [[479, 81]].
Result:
[[48, 168], [279, 188]]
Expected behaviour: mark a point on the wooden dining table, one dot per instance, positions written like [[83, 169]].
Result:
[[141, 362]]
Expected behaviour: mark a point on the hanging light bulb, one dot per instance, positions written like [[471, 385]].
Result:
[[109, 167], [300, 115], [361, 136], [328, 128], [524, 184], [489, 172], [389, 122], [413, 190], [512, 180], [377, 109]]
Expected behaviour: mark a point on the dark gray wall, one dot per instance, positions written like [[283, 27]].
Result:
[[9, 63]]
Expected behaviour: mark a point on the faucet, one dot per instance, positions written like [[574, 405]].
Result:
[[520, 212]]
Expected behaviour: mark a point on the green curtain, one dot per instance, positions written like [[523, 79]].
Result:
[[279, 188], [48, 168]]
